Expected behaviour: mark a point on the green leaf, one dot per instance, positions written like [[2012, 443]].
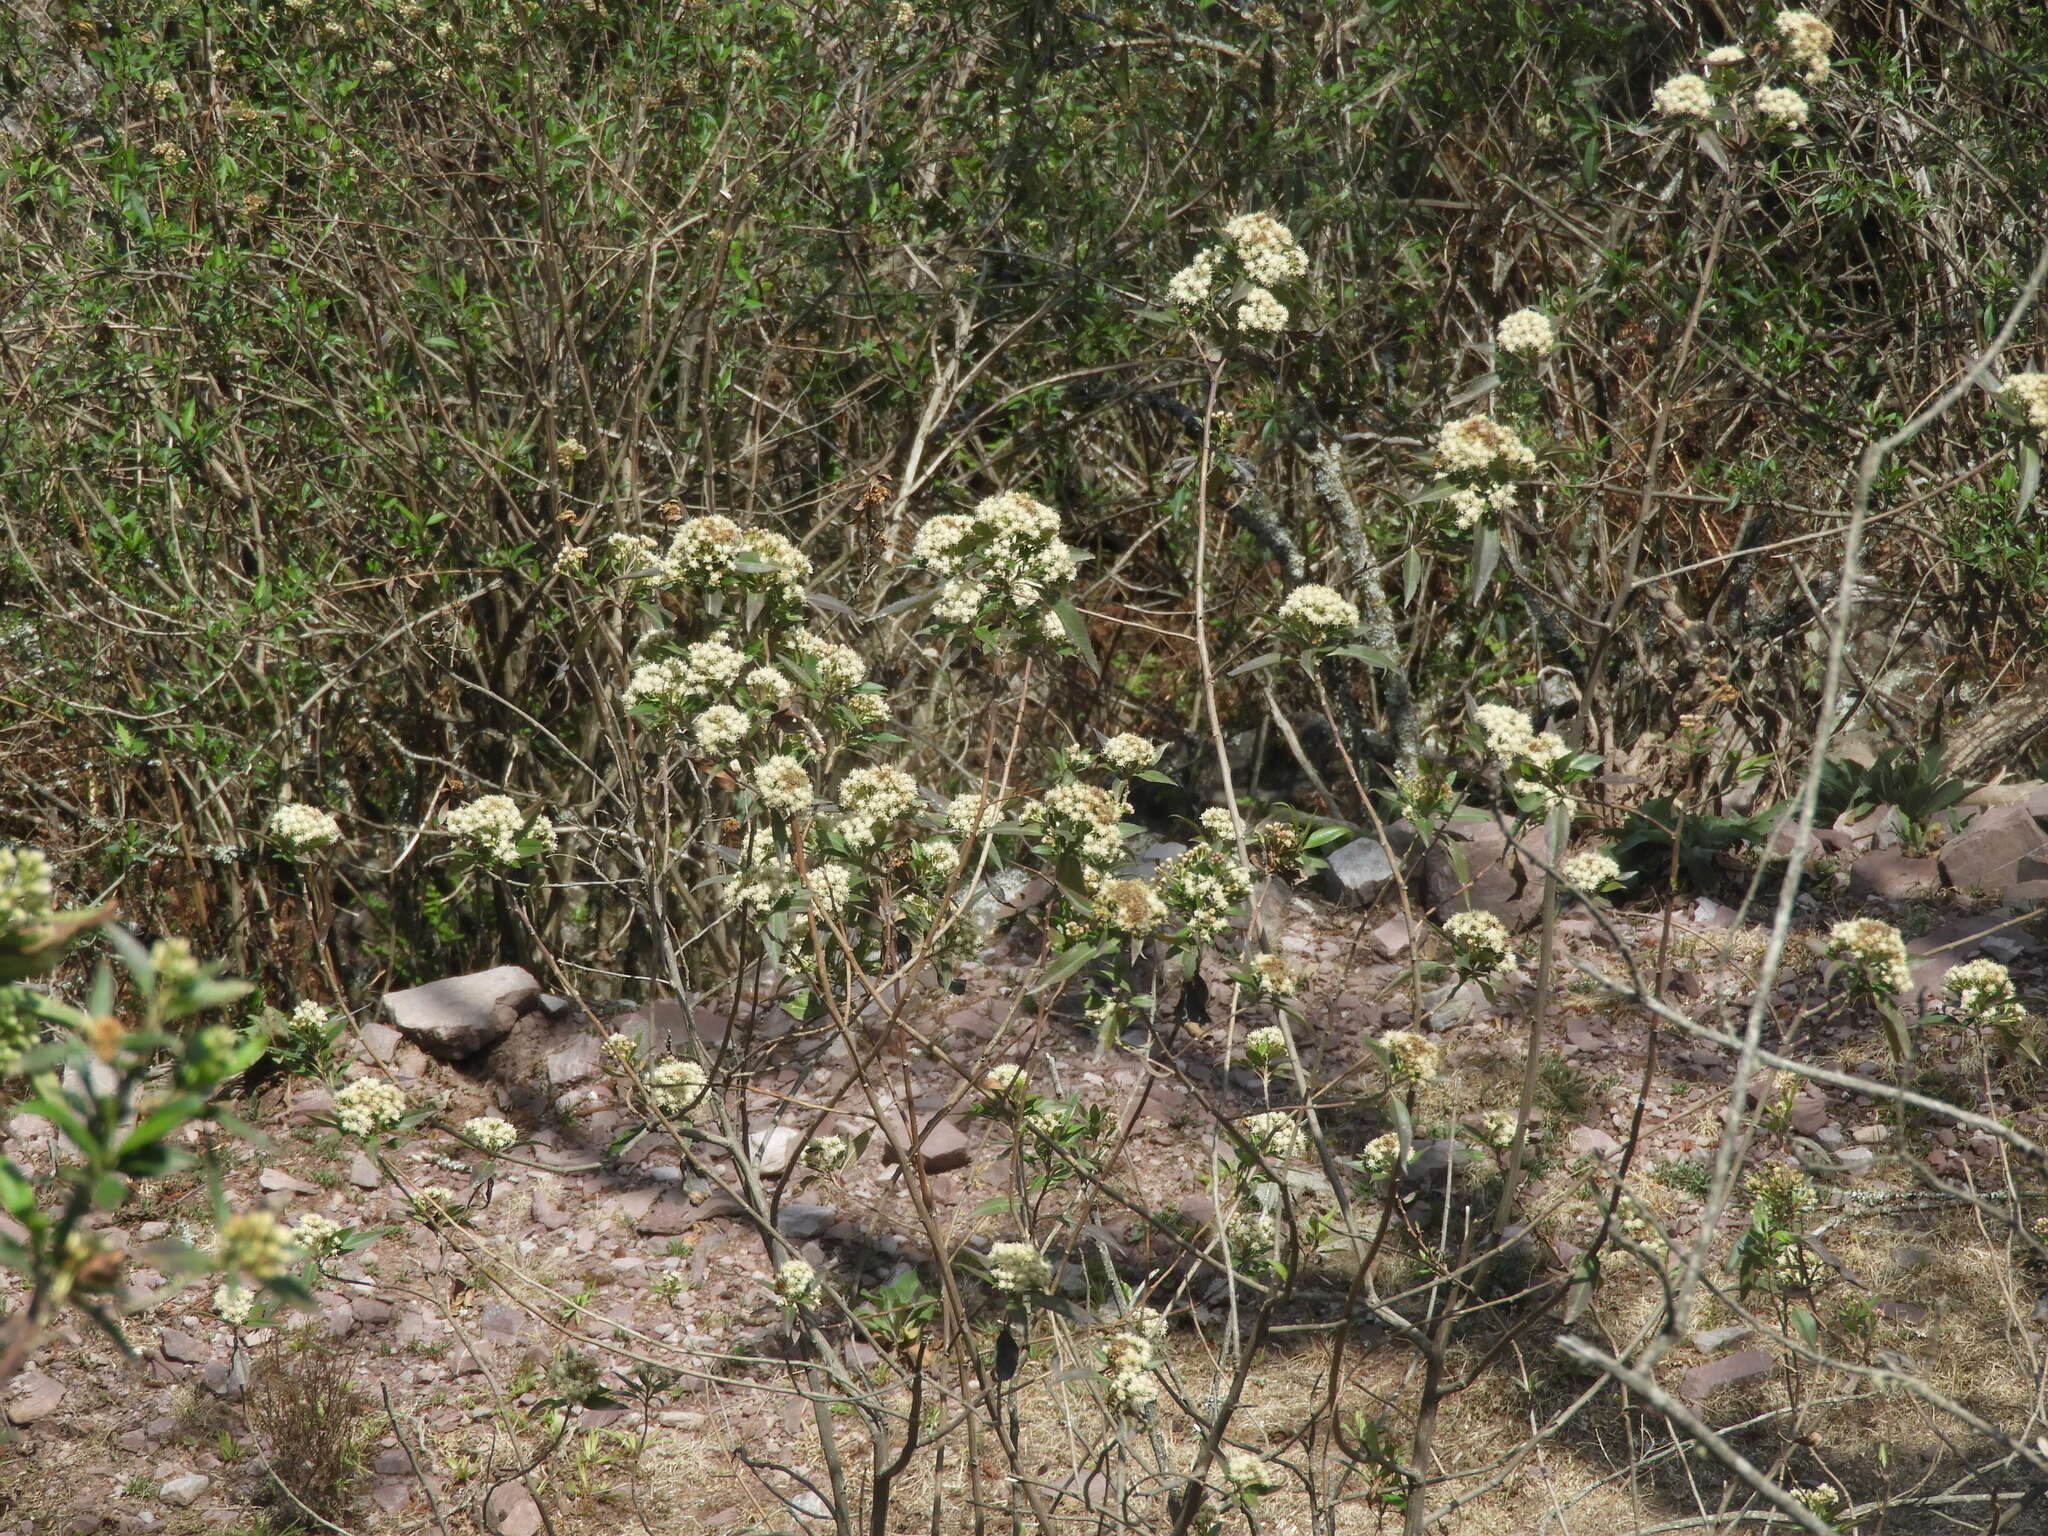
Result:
[[1258, 664], [1077, 631], [1366, 654], [17, 1195], [1067, 964], [1807, 1327], [1485, 557]]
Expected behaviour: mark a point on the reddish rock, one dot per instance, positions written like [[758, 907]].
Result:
[[1986, 854], [1889, 874], [458, 1017], [1703, 1381], [1493, 877], [942, 1148]]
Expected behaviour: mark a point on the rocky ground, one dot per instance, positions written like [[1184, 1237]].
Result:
[[451, 1330]]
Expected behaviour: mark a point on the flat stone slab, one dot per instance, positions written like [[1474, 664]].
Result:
[[1703, 1381], [458, 1017]]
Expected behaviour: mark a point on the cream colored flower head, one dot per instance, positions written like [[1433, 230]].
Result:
[[1684, 96], [1526, 333]]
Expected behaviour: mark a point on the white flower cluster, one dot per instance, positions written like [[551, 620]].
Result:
[[1266, 248], [232, 1304], [491, 827], [1131, 1362], [995, 564], [1318, 614], [1252, 1234], [1484, 946], [1249, 1475], [839, 667], [827, 1154], [27, 894], [253, 1243], [1220, 822], [1276, 1134], [1487, 457], [1726, 55], [782, 784], [489, 1133], [716, 554], [1781, 108], [1590, 872], [870, 799], [1260, 311], [1128, 754], [1265, 254], [1983, 994], [765, 877], [721, 729], [1684, 96], [1507, 730], [1202, 887], [1807, 40], [1526, 333], [797, 1283], [2029, 391], [1479, 445], [1411, 1058], [1191, 286], [1276, 978], [830, 886], [676, 1087], [1018, 1267], [316, 1235], [1265, 1046], [1083, 819], [1496, 1129], [973, 813], [309, 1022], [299, 829], [1129, 908], [1380, 1157], [368, 1105], [1874, 952], [1004, 1083]]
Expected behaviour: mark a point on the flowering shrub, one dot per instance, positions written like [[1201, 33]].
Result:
[[494, 832], [300, 830]]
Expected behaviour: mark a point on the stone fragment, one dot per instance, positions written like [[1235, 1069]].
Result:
[[1393, 937], [184, 1492], [800, 1222], [38, 1400], [942, 1148], [1356, 873], [773, 1149], [1710, 1341], [363, 1173], [1889, 874], [1493, 877], [1703, 1381], [182, 1347], [573, 1063], [457, 1017], [511, 1511], [1986, 854], [1591, 1141], [276, 1180]]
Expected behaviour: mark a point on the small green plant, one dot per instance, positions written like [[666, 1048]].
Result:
[[1644, 845], [1684, 1175], [1566, 1089]]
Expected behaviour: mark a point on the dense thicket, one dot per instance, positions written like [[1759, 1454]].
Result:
[[328, 327]]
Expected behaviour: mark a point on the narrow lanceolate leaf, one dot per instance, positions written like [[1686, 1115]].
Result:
[[1077, 631]]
